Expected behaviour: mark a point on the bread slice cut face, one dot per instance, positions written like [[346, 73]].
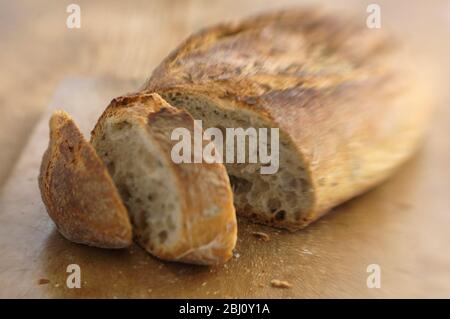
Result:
[[78, 192], [179, 211]]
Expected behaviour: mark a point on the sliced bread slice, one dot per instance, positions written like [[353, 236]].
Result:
[[180, 212]]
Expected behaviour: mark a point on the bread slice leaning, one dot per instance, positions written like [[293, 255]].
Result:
[[78, 192], [180, 212], [349, 102]]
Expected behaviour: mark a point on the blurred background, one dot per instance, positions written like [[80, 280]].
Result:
[[125, 40]]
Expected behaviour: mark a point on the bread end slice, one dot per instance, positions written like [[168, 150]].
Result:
[[78, 192]]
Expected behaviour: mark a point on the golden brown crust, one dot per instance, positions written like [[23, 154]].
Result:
[[205, 238], [78, 192], [344, 94]]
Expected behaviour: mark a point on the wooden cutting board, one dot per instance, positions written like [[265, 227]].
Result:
[[402, 226]]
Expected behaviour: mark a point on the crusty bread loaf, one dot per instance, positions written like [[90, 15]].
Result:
[[78, 192], [348, 104], [180, 212]]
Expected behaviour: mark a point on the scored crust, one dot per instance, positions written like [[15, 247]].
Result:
[[78, 192], [204, 230], [346, 98]]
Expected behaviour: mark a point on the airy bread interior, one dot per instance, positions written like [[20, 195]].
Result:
[[280, 199], [142, 177]]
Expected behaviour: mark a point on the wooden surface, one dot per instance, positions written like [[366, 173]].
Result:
[[401, 225]]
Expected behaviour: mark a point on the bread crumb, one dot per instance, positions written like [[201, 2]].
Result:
[[43, 281], [149, 290], [403, 205], [280, 283], [237, 255], [306, 251], [56, 285], [261, 285], [204, 284], [261, 235]]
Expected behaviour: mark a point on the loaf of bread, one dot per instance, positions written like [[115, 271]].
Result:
[[78, 192], [347, 100], [179, 212]]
